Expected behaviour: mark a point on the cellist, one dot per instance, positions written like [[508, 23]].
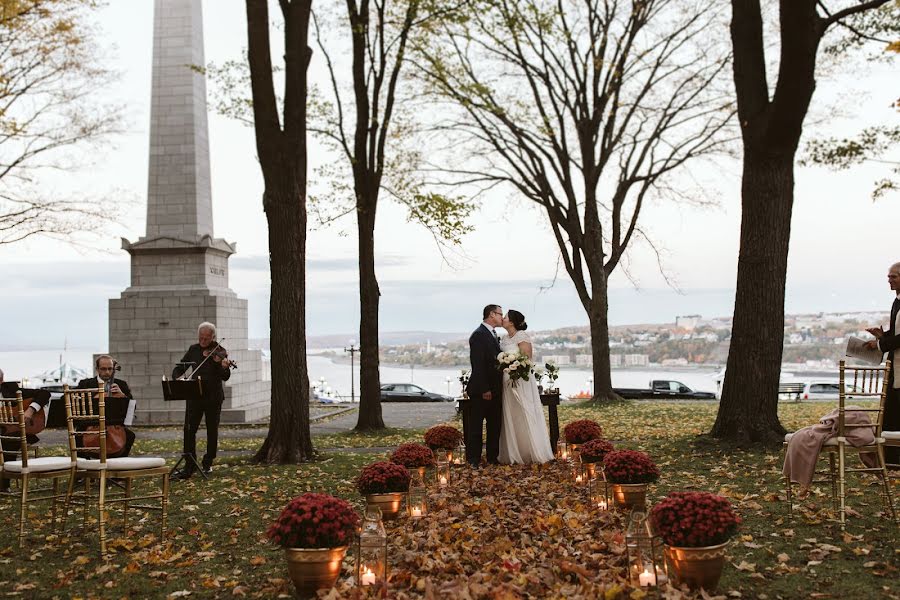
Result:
[[37, 403]]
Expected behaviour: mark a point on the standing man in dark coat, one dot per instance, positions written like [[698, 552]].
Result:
[[212, 371], [119, 403], [889, 341], [34, 401], [484, 389]]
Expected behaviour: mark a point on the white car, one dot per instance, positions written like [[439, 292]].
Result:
[[825, 390]]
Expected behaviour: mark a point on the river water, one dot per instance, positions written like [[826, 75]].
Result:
[[572, 380]]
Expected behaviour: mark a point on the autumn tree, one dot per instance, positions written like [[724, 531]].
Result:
[[587, 109], [370, 137], [282, 152], [771, 123], [51, 118]]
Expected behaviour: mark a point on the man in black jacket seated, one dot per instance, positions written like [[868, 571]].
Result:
[[34, 401], [212, 369], [118, 401]]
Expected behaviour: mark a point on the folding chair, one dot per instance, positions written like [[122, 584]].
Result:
[[26, 470], [87, 407]]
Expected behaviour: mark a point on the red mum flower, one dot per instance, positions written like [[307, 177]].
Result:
[[314, 521], [581, 431], [694, 519]]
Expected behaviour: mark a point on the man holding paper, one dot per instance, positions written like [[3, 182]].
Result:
[[889, 341]]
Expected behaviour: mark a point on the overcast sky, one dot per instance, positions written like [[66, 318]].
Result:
[[841, 242]]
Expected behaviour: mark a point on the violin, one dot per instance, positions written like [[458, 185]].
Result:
[[218, 354]]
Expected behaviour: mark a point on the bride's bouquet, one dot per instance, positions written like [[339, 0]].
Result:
[[516, 364]]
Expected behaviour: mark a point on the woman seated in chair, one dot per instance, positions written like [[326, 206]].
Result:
[[119, 409]]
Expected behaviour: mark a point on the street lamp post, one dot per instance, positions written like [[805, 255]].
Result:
[[353, 349], [590, 383], [448, 380]]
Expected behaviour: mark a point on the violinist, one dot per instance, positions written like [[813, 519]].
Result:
[[35, 403], [209, 361]]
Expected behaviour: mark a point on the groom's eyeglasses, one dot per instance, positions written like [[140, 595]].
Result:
[[497, 312]]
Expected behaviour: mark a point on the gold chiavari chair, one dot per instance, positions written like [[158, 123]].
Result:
[[26, 470], [857, 383], [87, 407]]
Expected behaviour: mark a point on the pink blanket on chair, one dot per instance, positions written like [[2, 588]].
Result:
[[805, 445]]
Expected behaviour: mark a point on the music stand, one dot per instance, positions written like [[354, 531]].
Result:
[[188, 390]]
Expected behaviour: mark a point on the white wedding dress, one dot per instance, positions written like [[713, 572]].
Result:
[[523, 434]]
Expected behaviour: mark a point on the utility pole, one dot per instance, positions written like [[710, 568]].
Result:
[[353, 349]]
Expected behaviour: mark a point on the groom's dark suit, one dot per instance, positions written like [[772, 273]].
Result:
[[485, 377]]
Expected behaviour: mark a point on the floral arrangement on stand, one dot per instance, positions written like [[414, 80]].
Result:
[[694, 519], [581, 431], [464, 375], [413, 456], [515, 364], [383, 477], [551, 370], [629, 467], [314, 521], [443, 437], [594, 451]]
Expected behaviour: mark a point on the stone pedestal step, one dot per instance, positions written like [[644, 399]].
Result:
[[251, 413]]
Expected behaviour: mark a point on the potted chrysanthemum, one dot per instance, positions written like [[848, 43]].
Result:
[[315, 531], [445, 439], [628, 473], [592, 453], [414, 456], [581, 431], [696, 528], [384, 484]]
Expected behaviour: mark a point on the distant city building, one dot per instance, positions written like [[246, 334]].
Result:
[[636, 360], [584, 360], [674, 362], [687, 322]]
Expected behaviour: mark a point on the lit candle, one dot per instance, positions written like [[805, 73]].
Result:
[[602, 505], [443, 480], [647, 578], [368, 577], [578, 478], [565, 455], [416, 512]]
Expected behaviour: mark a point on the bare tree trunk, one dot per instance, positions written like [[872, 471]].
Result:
[[748, 411], [598, 316], [288, 440], [369, 297]]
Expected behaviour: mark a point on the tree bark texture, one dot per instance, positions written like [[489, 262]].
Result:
[[369, 299], [748, 411], [283, 158]]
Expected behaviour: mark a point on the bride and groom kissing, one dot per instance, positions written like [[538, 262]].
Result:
[[511, 408]]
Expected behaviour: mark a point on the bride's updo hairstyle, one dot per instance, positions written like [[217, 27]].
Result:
[[517, 319]]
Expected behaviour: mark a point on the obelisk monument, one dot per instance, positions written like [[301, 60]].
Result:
[[179, 269]]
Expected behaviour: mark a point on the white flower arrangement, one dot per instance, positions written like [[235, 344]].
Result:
[[516, 364]]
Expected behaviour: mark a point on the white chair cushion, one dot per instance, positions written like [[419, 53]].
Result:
[[891, 435], [123, 463], [42, 464]]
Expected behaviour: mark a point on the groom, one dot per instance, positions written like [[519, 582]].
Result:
[[484, 389]]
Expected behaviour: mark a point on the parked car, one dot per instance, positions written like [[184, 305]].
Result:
[[409, 392], [665, 388], [825, 390]]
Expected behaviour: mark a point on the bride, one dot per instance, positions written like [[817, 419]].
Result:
[[523, 434]]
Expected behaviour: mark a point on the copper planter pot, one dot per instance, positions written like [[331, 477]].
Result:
[[629, 495], [697, 567], [313, 569], [389, 503]]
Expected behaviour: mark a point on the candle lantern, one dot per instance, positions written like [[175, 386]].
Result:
[[561, 450], [577, 470], [371, 549], [459, 455], [417, 502], [443, 472], [645, 553], [598, 491]]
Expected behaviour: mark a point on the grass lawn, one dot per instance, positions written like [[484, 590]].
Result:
[[519, 531]]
